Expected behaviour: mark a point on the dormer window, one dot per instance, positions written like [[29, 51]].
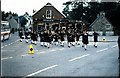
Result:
[[48, 14]]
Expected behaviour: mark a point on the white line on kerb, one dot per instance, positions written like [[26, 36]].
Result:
[[114, 46], [6, 58], [78, 57], [101, 50], [41, 70]]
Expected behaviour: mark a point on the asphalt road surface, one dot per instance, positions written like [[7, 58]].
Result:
[[59, 61]]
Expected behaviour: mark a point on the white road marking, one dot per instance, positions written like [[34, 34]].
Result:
[[62, 49], [24, 55], [114, 46], [41, 52], [7, 50], [41, 70], [5, 45], [9, 44], [52, 50], [2, 47], [101, 50], [78, 46], [35, 50], [78, 57], [6, 58]]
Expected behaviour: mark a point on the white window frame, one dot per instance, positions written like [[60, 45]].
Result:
[[50, 14]]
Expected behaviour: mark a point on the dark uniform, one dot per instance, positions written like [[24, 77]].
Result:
[[69, 38], [62, 34], [41, 35], [47, 39], [35, 36], [27, 36], [21, 35], [85, 39], [95, 34], [55, 38], [77, 38]]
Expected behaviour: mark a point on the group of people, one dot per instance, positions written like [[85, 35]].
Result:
[[48, 37]]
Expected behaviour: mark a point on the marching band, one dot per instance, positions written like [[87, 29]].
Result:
[[50, 37]]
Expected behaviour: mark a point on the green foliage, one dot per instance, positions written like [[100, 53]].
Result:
[[5, 15], [89, 12]]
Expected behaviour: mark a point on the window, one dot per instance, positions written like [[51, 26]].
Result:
[[108, 26], [48, 14]]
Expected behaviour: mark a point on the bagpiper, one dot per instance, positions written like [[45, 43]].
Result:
[[47, 39], [41, 35], [69, 38], [33, 37], [77, 36], [27, 35], [55, 38], [62, 34], [85, 39], [95, 34], [21, 35]]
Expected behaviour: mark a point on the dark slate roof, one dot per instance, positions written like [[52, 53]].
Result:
[[39, 14]]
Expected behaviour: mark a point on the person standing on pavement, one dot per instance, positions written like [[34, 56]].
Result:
[[119, 46], [95, 34]]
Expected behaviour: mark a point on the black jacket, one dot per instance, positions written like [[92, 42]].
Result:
[[95, 37]]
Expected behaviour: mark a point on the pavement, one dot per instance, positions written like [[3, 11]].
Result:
[[60, 61]]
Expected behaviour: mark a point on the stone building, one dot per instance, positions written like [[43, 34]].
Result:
[[101, 23]]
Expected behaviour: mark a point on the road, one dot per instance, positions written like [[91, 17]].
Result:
[[59, 61]]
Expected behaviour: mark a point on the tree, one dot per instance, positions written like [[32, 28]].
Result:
[[23, 21], [89, 12]]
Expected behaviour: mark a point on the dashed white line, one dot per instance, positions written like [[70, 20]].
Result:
[[78, 57], [52, 50], [9, 44], [78, 46], [24, 55], [114, 46], [62, 49], [2, 47], [6, 58], [41, 70], [101, 50], [41, 52]]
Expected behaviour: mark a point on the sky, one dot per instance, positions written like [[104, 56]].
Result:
[[22, 6]]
